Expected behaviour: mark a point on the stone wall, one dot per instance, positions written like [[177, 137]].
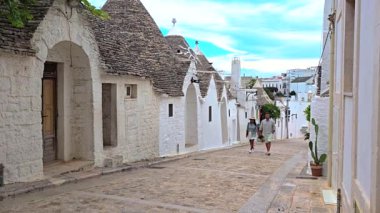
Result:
[[211, 130], [137, 121], [232, 121], [20, 97], [172, 129], [320, 112], [20, 118]]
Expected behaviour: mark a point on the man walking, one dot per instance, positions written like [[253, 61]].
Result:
[[267, 129]]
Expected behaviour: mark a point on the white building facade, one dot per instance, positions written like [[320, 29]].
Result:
[[356, 112]]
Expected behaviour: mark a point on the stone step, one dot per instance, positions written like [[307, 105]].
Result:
[[113, 162]]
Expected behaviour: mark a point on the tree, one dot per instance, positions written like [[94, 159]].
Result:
[[272, 109], [18, 13], [293, 93], [251, 83]]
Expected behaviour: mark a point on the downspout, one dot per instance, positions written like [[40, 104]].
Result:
[[331, 93]]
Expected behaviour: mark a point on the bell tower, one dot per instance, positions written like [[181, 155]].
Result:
[[235, 76]]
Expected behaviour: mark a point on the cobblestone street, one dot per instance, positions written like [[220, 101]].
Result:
[[228, 180]]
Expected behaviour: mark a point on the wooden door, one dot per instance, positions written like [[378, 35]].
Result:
[[49, 112]]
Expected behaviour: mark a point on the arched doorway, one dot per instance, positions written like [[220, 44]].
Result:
[[67, 104], [191, 117], [223, 116]]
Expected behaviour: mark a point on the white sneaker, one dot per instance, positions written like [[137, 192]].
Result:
[[250, 151]]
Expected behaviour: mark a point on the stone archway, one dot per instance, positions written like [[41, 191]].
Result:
[[191, 117], [223, 119], [73, 114]]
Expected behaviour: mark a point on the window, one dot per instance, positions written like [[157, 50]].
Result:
[[130, 91], [229, 113], [170, 110], [246, 114], [209, 113]]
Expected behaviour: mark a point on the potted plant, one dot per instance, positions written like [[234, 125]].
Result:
[[316, 164]]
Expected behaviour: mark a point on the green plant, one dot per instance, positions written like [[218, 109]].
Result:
[[269, 93], [306, 136], [279, 94], [18, 14], [308, 113], [318, 160], [272, 109], [293, 93], [251, 83]]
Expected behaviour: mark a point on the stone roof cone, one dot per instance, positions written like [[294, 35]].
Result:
[[130, 43]]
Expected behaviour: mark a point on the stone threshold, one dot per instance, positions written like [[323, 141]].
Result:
[[15, 189]]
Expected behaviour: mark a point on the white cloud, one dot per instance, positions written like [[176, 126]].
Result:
[[222, 23], [263, 65]]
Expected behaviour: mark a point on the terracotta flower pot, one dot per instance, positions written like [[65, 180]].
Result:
[[316, 170]]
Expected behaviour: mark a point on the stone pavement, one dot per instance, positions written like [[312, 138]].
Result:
[[228, 180]]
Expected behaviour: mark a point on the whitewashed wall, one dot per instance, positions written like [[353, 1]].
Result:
[[299, 121], [137, 121], [232, 122], [20, 96], [211, 131], [368, 62], [172, 129], [243, 121], [320, 112]]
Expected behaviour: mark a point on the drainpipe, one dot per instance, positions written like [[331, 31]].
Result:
[[331, 93]]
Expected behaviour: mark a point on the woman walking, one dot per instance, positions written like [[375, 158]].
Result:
[[251, 133]]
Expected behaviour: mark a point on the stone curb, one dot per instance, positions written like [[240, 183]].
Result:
[[96, 172]]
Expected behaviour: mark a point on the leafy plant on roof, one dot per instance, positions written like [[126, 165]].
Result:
[[251, 83], [269, 93], [280, 94], [18, 14]]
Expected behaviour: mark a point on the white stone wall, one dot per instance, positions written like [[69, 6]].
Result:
[[172, 129], [20, 118], [243, 121], [326, 54], [211, 131], [296, 123], [232, 122], [137, 121], [302, 90], [320, 112], [20, 96]]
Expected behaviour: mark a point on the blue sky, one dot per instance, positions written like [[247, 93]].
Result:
[[269, 36]]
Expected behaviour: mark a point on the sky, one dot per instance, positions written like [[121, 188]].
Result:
[[269, 36]]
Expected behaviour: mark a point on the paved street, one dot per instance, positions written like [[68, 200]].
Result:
[[228, 180]]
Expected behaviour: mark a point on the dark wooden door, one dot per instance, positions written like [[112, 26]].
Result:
[[49, 112]]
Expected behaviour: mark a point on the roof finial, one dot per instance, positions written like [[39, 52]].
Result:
[[174, 21], [197, 50]]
